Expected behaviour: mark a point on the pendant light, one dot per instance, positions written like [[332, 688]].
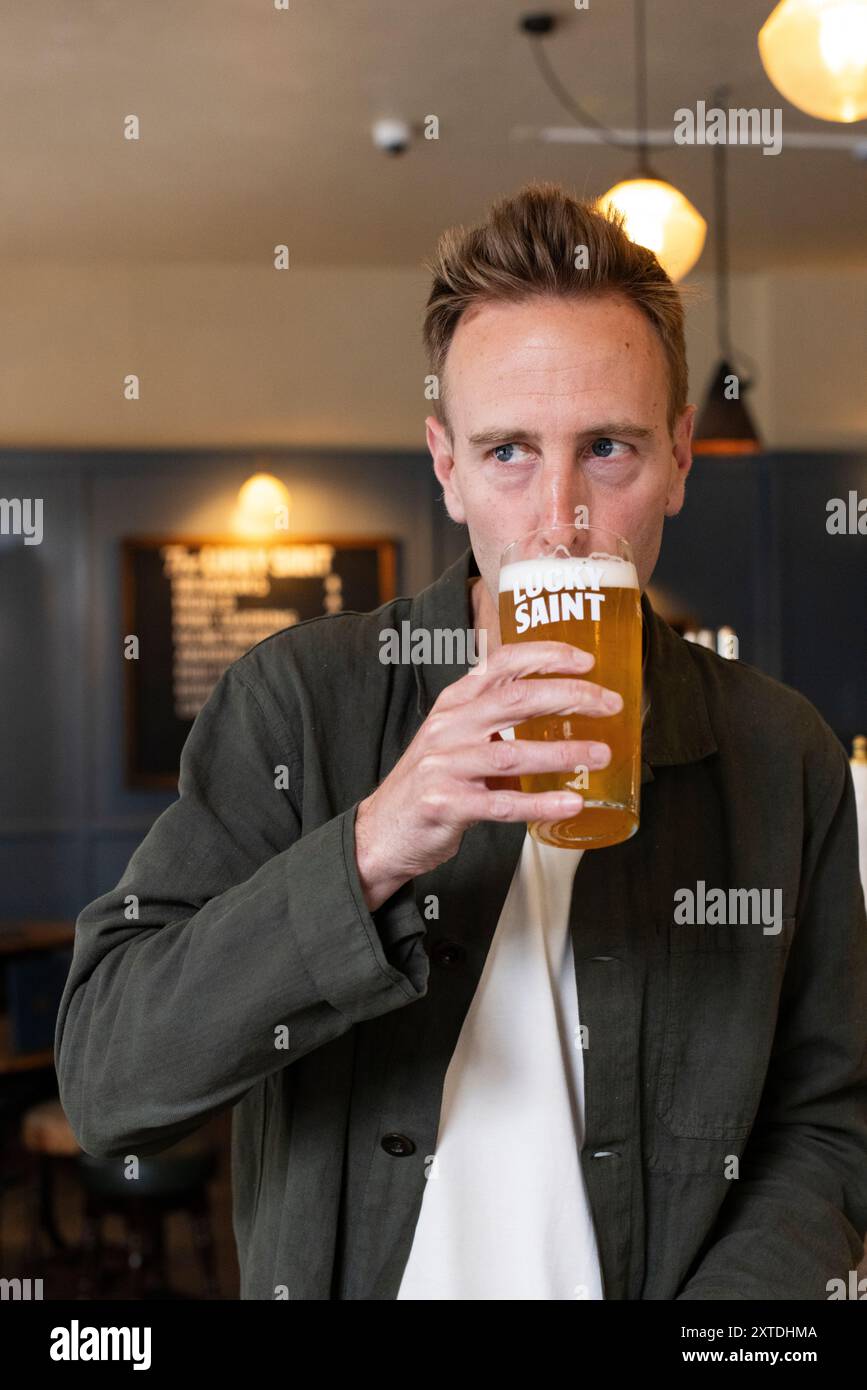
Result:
[[655, 213], [815, 53], [724, 425], [658, 216]]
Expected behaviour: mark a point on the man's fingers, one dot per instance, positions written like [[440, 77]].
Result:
[[512, 660], [510, 758], [523, 700], [515, 703], [519, 806]]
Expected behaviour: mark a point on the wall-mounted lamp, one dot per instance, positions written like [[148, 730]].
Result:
[[263, 507]]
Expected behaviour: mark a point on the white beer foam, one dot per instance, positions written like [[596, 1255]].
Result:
[[555, 572]]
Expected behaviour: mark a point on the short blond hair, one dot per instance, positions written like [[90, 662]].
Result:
[[527, 246]]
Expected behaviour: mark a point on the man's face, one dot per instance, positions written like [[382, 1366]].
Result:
[[556, 403]]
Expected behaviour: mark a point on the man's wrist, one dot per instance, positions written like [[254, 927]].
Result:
[[377, 882]]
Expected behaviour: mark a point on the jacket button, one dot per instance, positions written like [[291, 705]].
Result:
[[397, 1145], [447, 954]]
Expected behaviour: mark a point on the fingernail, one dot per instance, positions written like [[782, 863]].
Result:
[[598, 754], [612, 700]]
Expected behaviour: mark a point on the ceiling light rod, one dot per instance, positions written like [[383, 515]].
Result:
[[578, 135], [721, 258], [641, 89]]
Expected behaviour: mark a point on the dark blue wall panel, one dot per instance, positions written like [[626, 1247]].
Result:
[[750, 548]]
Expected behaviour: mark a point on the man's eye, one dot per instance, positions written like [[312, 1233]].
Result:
[[508, 450], [602, 448]]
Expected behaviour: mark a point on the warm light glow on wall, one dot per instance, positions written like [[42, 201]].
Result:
[[658, 216], [263, 508], [815, 53]]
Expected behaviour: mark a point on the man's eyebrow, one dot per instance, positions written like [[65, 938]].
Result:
[[608, 428]]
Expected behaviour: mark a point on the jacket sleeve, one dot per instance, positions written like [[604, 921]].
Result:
[[231, 946], [795, 1218]]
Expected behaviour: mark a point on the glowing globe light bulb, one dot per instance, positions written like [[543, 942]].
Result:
[[815, 53], [658, 216]]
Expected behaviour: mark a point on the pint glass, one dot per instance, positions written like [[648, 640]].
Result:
[[579, 584]]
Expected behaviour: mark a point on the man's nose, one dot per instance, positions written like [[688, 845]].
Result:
[[562, 490], [561, 517], [558, 507]]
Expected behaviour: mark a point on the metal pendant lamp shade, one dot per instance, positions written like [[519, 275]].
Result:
[[724, 425]]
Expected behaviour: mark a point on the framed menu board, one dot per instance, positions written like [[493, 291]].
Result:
[[193, 606]]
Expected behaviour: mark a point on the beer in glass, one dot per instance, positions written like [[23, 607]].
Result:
[[579, 584]]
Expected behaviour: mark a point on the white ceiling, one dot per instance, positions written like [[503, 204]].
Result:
[[256, 126]]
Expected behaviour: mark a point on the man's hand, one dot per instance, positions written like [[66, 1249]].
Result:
[[446, 780]]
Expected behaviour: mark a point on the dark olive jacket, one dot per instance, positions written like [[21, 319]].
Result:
[[254, 976]]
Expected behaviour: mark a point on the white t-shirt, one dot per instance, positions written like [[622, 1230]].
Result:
[[505, 1213]]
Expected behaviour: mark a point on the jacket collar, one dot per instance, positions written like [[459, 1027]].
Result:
[[677, 728]]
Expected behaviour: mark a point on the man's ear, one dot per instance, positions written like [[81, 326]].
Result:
[[681, 460], [444, 467]]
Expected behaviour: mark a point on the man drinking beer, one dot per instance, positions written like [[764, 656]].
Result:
[[466, 1064]]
